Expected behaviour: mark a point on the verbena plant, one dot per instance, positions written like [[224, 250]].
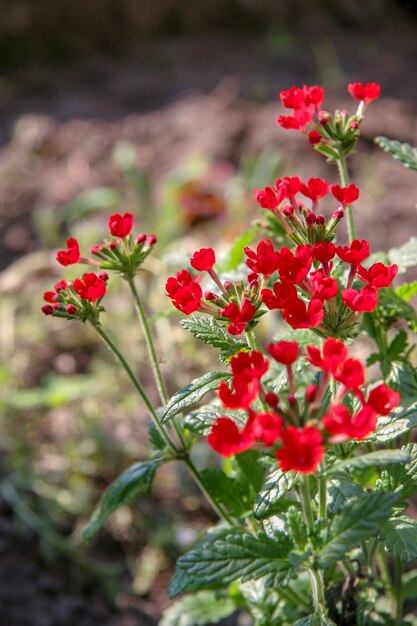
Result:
[[318, 465]]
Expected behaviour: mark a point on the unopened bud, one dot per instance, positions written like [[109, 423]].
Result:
[[288, 210], [310, 219], [112, 245], [320, 220], [354, 125], [210, 296], [96, 249], [140, 239], [151, 240], [338, 214], [71, 309], [272, 399], [292, 399], [314, 137], [311, 393], [227, 284], [104, 276], [47, 309]]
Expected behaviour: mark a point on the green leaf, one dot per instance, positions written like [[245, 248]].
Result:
[[400, 538], [407, 291], [358, 520], [156, 438], [315, 619], [226, 490], [405, 256], [403, 152], [403, 478], [204, 607], [208, 330], [396, 423], [398, 345], [236, 254], [391, 308], [277, 484], [192, 393], [372, 459], [229, 555], [297, 527], [409, 585], [404, 380], [201, 420], [135, 480], [341, 487], [252, 465]]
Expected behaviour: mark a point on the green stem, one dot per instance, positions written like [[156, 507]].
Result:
[[251, 340], [160, 383], [399, 569], [138, 387], [344, 178], [221, 512]]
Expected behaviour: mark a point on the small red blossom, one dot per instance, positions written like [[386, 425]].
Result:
[[71, 255], [282, 292], [292, 98], [203, 260], [184, 292], [378, 275], [302, 449], [249, 365], [324, 287], [323, 251], [297, 315], [50, 296], [345, 195], [355, 253], [267, 427], [285, 352], [364, 300], [265, 260], [298, 121], [289, 186], [333, 355], [121, 225], [340, 423], [351, 374], [315, 188], [90, 287], [241, 396], [266, 198], [295, 267], [239, 316], [383, 399], [60, 285], [226, 439], [366, 92]]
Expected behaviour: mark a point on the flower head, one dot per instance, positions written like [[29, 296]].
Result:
[[72, 253], [121, 225]]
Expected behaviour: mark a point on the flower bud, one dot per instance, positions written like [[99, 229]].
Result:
[[151, 240], [112, 245], [140, 239], [47, 309], [288, 210], [210, 296], [310, 219], [104, 276], [338, 214], [96, 249], [314, 137], [272, 399], [311, 393], [320, 220], [71, 309]]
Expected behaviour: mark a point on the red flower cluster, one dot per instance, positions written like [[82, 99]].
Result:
[[304, 102], [366, 92], [73, 299]]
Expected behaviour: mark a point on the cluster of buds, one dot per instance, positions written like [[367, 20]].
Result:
[[301, 218], [80, 299], [333, 135], [298, 430], [301, 284]]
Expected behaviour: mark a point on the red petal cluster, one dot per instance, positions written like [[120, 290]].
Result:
[[184, 292], [121, 225], [203, 260], [71, 255], [366, 92], [239, 316], [90, 287]]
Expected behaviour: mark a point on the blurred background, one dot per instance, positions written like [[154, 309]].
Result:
[[166, 109]]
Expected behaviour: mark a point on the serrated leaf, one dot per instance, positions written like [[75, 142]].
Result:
[[397, 423], [277, 484], [405, 256], [341, 487], [315, 619], [204, 607], [156, 438], [201, 420], [400, 538], [297, 527], [403, 152], [192, 393], [372, 459], [407, 291], [226, 490], [391, 308], [209, 330], [135, 480], [230, 555], [252, 465], [358, 520], [404, 380], [398, 345], [403, 478]]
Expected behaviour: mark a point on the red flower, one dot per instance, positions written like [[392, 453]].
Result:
[[295, 267], [351, 374], [283, 292], [378, 275], [249, 365], [289, 185], [383, 399], [366, 92], [314, 95], [315, 189], [293, 98], [71, 254], [285, 352], [239, 316], [184, 292], [265, 260], [266, 198], [298, 121], [226, 439], [339, 422], [302, 449], [323, 251], [50, 296], [244, 393], [364, 300], [121, 225], [324, 287], [90, 287], [203, 260], [60, 285], [345, 195], [267, 427], [355, 253], [298, 316], [333, 357]]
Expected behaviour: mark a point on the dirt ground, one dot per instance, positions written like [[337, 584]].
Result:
[[207, 94]]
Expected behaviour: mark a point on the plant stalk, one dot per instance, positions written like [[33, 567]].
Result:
[[344, 179]]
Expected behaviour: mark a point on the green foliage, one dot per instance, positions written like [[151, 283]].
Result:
[[226, 490], [315, 619], [400, 538], [359, 519], [341, 487], [201, 420], [204, 607], [404, 380], [403, 152], [407, 291], [252, 465], [403, 478], [372, 459], [276, 486], [136, 479], [297, 528], [228, 555], [192, 393], [392, 307], [209, 330], [397, 423]]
